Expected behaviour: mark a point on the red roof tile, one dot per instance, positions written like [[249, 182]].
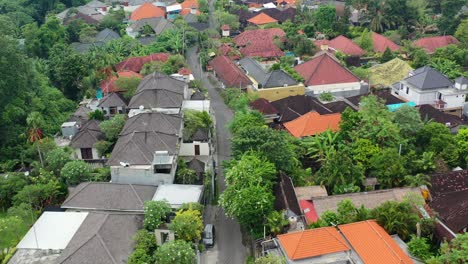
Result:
[[225, 27], [258, 36], [373, 244], [309, 211], [381, 43], [312, 124], [325, 69], [312, 243], [263, 106], [228, 72], [262, 19], [187, 11], [108, 86], [147, 10], [346, 46], [184, 71], [189, 4], [263, 50], [430, 44], [136, 63]]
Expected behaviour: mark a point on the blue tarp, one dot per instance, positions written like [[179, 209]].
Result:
[[394, 107], [99, 93]]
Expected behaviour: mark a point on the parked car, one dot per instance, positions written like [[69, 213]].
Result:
[[209, 235]]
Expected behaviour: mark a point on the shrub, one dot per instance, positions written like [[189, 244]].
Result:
[[75, 172], [155, 214]]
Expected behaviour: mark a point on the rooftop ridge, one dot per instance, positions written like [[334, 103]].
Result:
[[400, 260]]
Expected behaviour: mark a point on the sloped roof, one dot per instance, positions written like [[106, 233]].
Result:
[[285, 196], [346, 46], [430, 44], [450, 198], [262, 50], [462, 80], [187, 11], [156, 98], [258, 36], [373, 244], [263, 106], [281, 15], [82, 113], [293, 107], [308, 192], [161, 81], [262, 19], [277, 78], [88, 19], [136, 63], [103, 238], [312, 243], [307, 207], [370, 199], [137, 148], [106, 35], [109, 196], [325, 69], [109, 86], [154, 121], [381, 42], [147, 10], [389, 72], [312, 124], [428, 78], [158, 24], [188, 4], [112, 100], [88, 135], [228, 72], [196, 165], [200, 135], [197, 96], [190, 18], [430, 113]]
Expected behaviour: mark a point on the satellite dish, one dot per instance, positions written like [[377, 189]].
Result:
[[141, 107]]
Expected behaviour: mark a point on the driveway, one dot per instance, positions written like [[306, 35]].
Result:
[[228, 245]]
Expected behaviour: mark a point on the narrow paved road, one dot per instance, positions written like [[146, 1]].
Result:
[[228, 247]]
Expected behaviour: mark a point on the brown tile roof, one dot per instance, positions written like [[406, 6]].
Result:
[[325, 69], [312, 243], [293, 107], [373, 244], [450, 198], [263, 106], [430, 44], [285, 197], [312, 124], [262, 19], [430, 113], [229, 73], [381, 42], [262, 50], [136, 63]]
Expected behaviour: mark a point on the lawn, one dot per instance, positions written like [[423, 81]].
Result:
[[11, 230]]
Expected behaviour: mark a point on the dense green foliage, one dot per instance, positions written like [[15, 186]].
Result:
[[177, 251], [187, 225], [156, 213]]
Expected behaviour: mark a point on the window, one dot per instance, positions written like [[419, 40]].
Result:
[[113, 110], [197, 150], [86, 153], [407, 90], [162, 168], [439, 96]]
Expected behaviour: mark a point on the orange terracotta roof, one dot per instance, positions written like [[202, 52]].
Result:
[[373, 244], [262, 19], [313, 242], [147, 10], [312, 124], [188, 4]]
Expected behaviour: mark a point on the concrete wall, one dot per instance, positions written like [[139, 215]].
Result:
[[454, 101], [188, 149], [274, 94], [334, 88], [140, 175]]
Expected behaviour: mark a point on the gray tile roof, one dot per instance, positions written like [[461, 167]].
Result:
[[277, 78], [112, 100], [104, 196], [197, 96], [138, 148], [158, 90], [157, 122], [103, 238], [462, 80], [106, 35], [88, 135], [428, 78], [159, 24], [81, 114], [196, 165], [200, 135]]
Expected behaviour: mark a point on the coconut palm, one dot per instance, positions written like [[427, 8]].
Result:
[[34, 121]]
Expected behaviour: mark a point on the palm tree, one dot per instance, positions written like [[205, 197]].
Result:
[[418, 180], [34, 121], [323, 145]]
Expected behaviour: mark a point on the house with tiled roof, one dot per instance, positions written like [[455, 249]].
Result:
[[262, 19], [381, 43], [341, 44], [430, 44], [270, 113], [228, 73], [157, 24], [109, 86], [426, 85], [135, 64], [147, 10], [429, 112], [324, 73], [449, 200], [83, 142], [113, 104], [364, 242], [271, 85], [259, 42], [312, 124]]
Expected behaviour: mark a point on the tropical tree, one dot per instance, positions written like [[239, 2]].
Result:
[[246, 119], [325, 18], [456, 251], [34, 122], [155, 214], [194, 121], [389, 174], [112, 127], [270, 259], [9, 186], [397, 218], [177, 251], [187, 225], [323, 145], [408, 120], [276, 222], [419, 247], [417, 180], [74, 172], [251, 169], [57, 158], [144, 249], [447, 67]]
